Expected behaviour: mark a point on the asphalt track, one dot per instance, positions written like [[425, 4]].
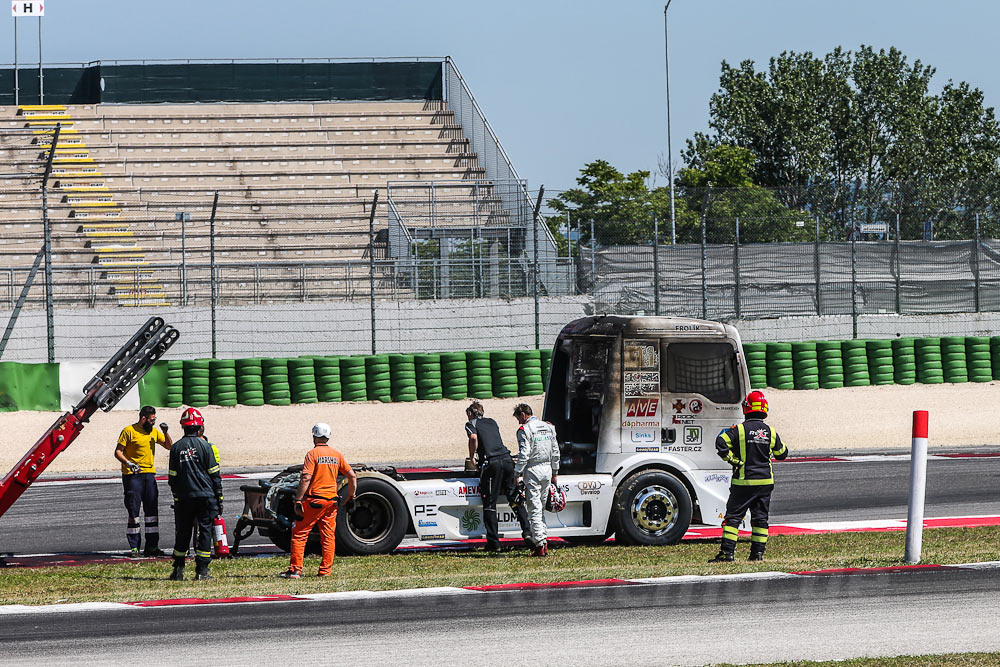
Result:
[[689, 621], [79, 516]]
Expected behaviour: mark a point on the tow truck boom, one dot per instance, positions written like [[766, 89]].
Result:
[[103, 392]]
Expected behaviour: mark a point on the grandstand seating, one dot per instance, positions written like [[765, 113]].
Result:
[[295, 184]]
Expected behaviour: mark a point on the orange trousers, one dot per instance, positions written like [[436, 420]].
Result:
[[323, 512]]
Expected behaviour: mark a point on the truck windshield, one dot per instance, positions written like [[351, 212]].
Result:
[[708, 369]]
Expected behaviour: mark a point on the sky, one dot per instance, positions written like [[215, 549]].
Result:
[[561, 82]]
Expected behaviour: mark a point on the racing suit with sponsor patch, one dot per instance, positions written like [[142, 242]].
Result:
[[537, 461], [749, 447]]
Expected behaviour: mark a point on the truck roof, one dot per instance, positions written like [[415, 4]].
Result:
[[648, 325]]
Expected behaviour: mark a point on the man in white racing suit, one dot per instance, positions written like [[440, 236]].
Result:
[[538, 465]]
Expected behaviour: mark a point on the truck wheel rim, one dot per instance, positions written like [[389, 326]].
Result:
[[371, 519], [654, 510]]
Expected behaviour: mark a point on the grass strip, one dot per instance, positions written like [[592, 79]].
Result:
[[136, 581], [945, 660]]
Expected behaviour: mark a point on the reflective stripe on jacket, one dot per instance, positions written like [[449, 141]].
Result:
[[749, 447]]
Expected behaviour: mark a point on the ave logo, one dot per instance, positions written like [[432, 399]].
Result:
[[643, 407]]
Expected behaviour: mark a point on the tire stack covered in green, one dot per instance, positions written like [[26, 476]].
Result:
[[529, 373], [904, 361], [756, 360], [805, 366], [545, 356], [277, 390], [222, 382], [855, 363], [196, 383], [830, 360], [504, 367], [480, 375], [428, 367], [454, 376], [953, 359], [880, 368], [327, 371], [175, 383], [995, 356], [249, 382], [403, 377], [779, 366], [352, 379], [978, 360], [302, 380], [378, 378], [928, 353]]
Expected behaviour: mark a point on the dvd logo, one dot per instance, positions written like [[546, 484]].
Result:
[[645, 407]]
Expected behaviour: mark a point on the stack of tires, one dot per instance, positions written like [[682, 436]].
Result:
[[302, 380], [545, 357], [529, 373], [928, 354], [402, 378], [995, 356], [978, 359], [327, 371], [480, 374], [378, 378], [830, 360], [904, 360], [504, 374], [953, 360], [428, 371], [277, 390], [352, 379], [780, 365], [805, 366], [249, 382], [756, 360], [222, 382], [454, 376], [855, 363], [196, 383], [175, 383], [880, 368]]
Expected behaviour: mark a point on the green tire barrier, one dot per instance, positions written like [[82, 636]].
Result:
[[454, 375], [480, 374], [378, 378], [222, 382], [904, 360], [175, 384], [855, 363], [805, 365], [327, 371], [779, 363], [277, 390], [953, 359], [428, 373], [830, 362], [302, 380], [353, 386], [756, 362], [503, 366], [880, 366], [545, 357], [196, 382], [995, 356], [928, 355], [29, 386], [978, 358], [249, 382], [529, 373], [403, 378]]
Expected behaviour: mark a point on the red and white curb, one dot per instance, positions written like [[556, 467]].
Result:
[[347, 596]]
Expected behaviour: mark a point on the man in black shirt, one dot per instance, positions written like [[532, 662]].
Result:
[[496, 472]]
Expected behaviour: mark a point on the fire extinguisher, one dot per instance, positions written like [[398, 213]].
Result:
[[221, 541]]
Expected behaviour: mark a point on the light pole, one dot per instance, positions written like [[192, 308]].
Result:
[[670, 148]]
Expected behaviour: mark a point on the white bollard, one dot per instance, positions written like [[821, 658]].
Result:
[[918, 480]]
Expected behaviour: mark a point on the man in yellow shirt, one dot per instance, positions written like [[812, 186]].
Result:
[[135, 452]]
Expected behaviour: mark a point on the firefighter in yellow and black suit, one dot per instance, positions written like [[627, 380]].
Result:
[[749, 447]]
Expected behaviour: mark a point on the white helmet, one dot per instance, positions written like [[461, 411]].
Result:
[[321, 430]]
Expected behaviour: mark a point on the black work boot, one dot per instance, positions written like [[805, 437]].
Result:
[[201, 571], [178, 573], [756, 551], [726, 552]]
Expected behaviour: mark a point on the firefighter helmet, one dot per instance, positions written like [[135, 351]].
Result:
[[755, 402], [556, 500], [192, 417]]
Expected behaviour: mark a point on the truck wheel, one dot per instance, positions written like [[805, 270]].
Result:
[[280, 535], [652, 507], [377, 521]]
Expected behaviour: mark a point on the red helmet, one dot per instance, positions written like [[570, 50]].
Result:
[[556, 500], [755, 402], [192, 417]]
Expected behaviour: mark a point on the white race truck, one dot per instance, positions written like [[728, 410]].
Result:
[[637, 403]]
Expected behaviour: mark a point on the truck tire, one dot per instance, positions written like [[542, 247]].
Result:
[[281, 536], [376, 522], [652, 508]]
